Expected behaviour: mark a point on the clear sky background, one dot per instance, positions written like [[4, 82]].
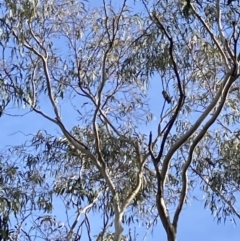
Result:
[[195, 223]]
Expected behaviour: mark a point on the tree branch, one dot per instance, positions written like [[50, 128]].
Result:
[[80, 212], [212, 37], [138, 185], [219, 193], [197, 139], [184, 137]]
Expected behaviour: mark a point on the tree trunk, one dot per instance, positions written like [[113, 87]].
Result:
[[171, 233]]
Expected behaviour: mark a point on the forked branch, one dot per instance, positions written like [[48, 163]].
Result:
[[197, 139]]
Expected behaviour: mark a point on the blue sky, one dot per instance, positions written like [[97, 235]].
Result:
[[195, 223]]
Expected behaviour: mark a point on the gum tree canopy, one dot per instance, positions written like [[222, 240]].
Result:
[[89, 72]]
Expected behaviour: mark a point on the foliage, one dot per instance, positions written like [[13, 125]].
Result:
[[96, 66]]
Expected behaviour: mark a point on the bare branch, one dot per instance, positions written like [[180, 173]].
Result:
[[197, 139], [80, 212], [212, 36], [206, 112], [219, 21], [182, 96], [138, 185]]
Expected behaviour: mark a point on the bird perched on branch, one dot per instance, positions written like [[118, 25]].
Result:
[[166, 96]]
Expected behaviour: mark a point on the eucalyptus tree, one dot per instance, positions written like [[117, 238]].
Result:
[[201, 39], [67, 53], [95, 65]]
